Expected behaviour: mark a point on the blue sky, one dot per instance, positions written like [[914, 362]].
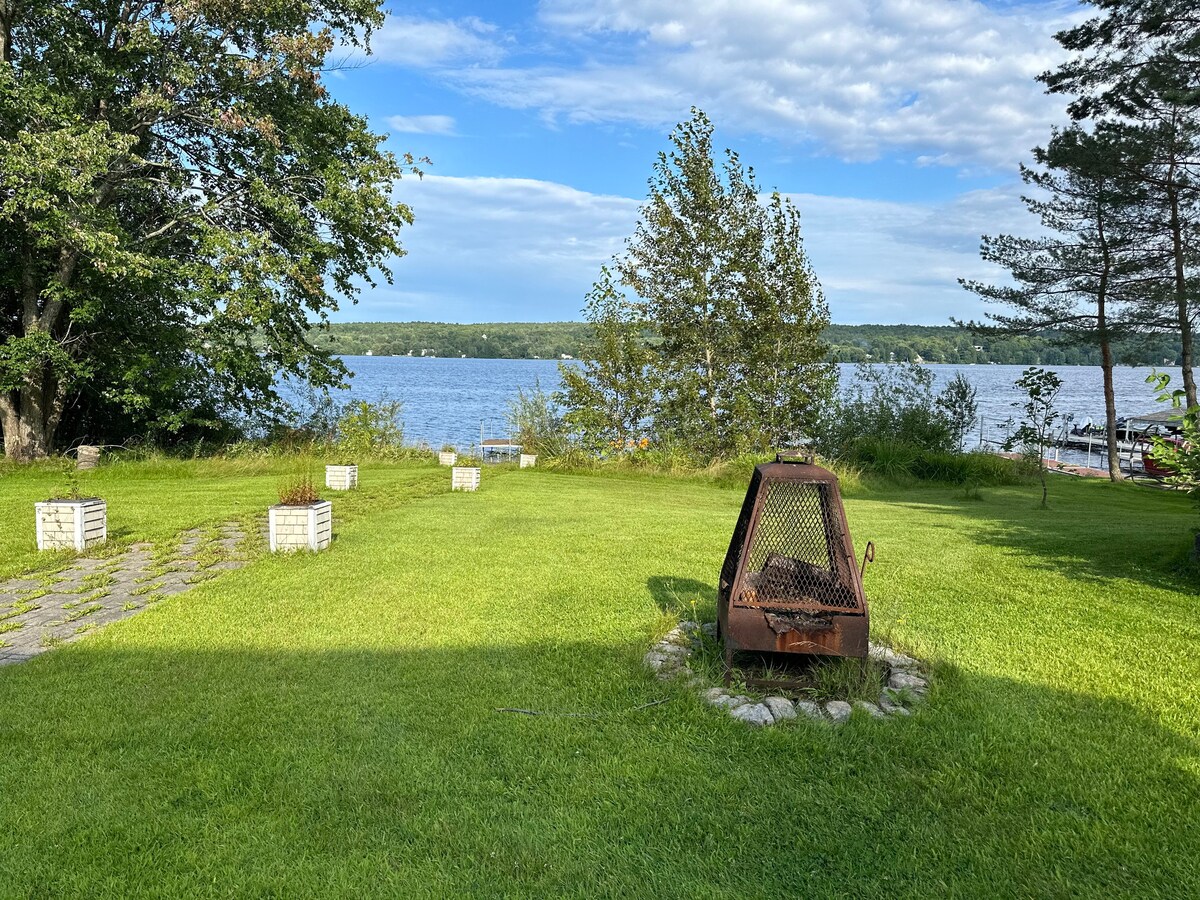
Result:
[[896, 126]]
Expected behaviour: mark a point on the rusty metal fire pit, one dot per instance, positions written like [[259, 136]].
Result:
[[789, 583]]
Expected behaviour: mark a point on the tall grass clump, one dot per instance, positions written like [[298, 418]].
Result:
[[537, 423]]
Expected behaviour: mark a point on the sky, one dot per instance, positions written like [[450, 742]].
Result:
[[897, 127]]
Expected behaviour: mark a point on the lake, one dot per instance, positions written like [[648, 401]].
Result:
[[453, 401]]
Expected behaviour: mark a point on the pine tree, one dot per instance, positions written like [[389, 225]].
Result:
[[1137, 67], [1086, 280]]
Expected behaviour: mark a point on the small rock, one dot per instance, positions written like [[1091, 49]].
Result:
[[665, 646], [755, 714], [889, 703], [838, 710], [872, 710], [904, 681], [718, 698], [654, 660], [675, 636], [810, 709], [781, 708], [689, 627], [710, 629], [891, 657]]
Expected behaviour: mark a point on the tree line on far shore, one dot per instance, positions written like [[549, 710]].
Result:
[[847, 343]]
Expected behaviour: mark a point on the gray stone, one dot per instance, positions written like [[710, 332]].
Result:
[[891, 657], [781, 708], [709, 628], [889, 703], [810, 709], [721, 699], [872, 710], [654, 660], [838, 710], [677, 649], [904, 681], [755, 714], [689, 627]]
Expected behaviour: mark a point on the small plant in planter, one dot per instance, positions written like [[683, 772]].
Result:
[[71, 521], [448, 456], [301, 520], [528, 460], [341, 478]]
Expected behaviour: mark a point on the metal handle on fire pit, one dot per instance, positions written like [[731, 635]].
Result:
[[868, 557]]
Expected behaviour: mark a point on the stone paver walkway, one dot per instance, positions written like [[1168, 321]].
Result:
[[38, 613]]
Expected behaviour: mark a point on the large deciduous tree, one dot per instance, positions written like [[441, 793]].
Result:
[[722, 283], [179, 197]]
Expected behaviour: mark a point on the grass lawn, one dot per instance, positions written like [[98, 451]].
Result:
[[325, 724]]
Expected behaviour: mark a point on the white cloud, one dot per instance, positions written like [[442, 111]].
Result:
[[950, 82], [427, 43], [882, 262], [422, 124], [495, 249]]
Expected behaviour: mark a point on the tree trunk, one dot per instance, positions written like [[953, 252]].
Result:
[[7, 12], [1182, 307], [1106, 359], [1110, 411], [30, 418]]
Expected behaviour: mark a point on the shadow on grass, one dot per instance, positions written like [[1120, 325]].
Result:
[[390, 772]]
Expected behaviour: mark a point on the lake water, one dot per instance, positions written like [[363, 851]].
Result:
[[449, 401]]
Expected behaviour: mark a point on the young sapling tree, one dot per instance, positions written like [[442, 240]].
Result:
[[1034, 432]]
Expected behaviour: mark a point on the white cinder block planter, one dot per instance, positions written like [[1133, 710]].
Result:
[[71, 524], [528, 460], [301, 527], [447, 459], [341, 478], [464, 478]]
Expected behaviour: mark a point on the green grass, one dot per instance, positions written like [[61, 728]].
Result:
[[325, 724]]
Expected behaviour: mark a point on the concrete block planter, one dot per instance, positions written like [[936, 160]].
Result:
[[301, 527], [528, 460], [86, 456], [464, 478], [341, 478], [447, 459], [71, 524]]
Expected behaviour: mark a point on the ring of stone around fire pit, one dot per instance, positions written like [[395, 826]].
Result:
[[669, 659]]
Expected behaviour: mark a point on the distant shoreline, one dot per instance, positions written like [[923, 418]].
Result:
[[935, 344]]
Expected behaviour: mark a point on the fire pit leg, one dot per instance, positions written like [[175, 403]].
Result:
[[728, 665]]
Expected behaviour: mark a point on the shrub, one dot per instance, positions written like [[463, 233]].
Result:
[[536, 422], [895, 404], [366, 430]]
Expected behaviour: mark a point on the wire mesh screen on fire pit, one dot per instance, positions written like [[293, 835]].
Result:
[[789, 583], [796, 558]]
